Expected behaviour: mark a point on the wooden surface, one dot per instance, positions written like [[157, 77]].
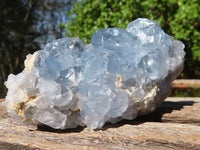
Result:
[[174, 125], [186, 83]]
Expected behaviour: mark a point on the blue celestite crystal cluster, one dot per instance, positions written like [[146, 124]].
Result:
[[121, 74]]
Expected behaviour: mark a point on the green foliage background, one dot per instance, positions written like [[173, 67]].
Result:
[[179, 18]]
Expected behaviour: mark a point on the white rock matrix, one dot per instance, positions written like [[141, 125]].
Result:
[[121, 74]]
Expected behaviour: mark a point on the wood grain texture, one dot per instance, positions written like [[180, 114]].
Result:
[[186, 83], [174, 125]]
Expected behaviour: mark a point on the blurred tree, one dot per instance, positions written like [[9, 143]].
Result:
[[177, 18], [50, 14], [26, 26], [17, 36]]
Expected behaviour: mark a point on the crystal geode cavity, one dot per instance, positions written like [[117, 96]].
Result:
[[121, 74]]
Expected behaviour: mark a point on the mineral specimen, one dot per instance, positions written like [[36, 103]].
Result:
[[121, 74]]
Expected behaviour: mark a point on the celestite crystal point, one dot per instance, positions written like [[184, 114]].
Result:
[[121, 74]]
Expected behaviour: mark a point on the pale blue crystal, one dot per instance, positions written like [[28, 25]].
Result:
[[120, 74]]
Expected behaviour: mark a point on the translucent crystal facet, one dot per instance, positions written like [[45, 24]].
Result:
[[121, 74]]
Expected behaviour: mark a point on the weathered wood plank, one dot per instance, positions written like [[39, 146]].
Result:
[[175, 125], [186, 83], [177, 110]]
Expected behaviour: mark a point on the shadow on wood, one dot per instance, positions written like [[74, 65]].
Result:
[[165, 107], [156, 116]]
